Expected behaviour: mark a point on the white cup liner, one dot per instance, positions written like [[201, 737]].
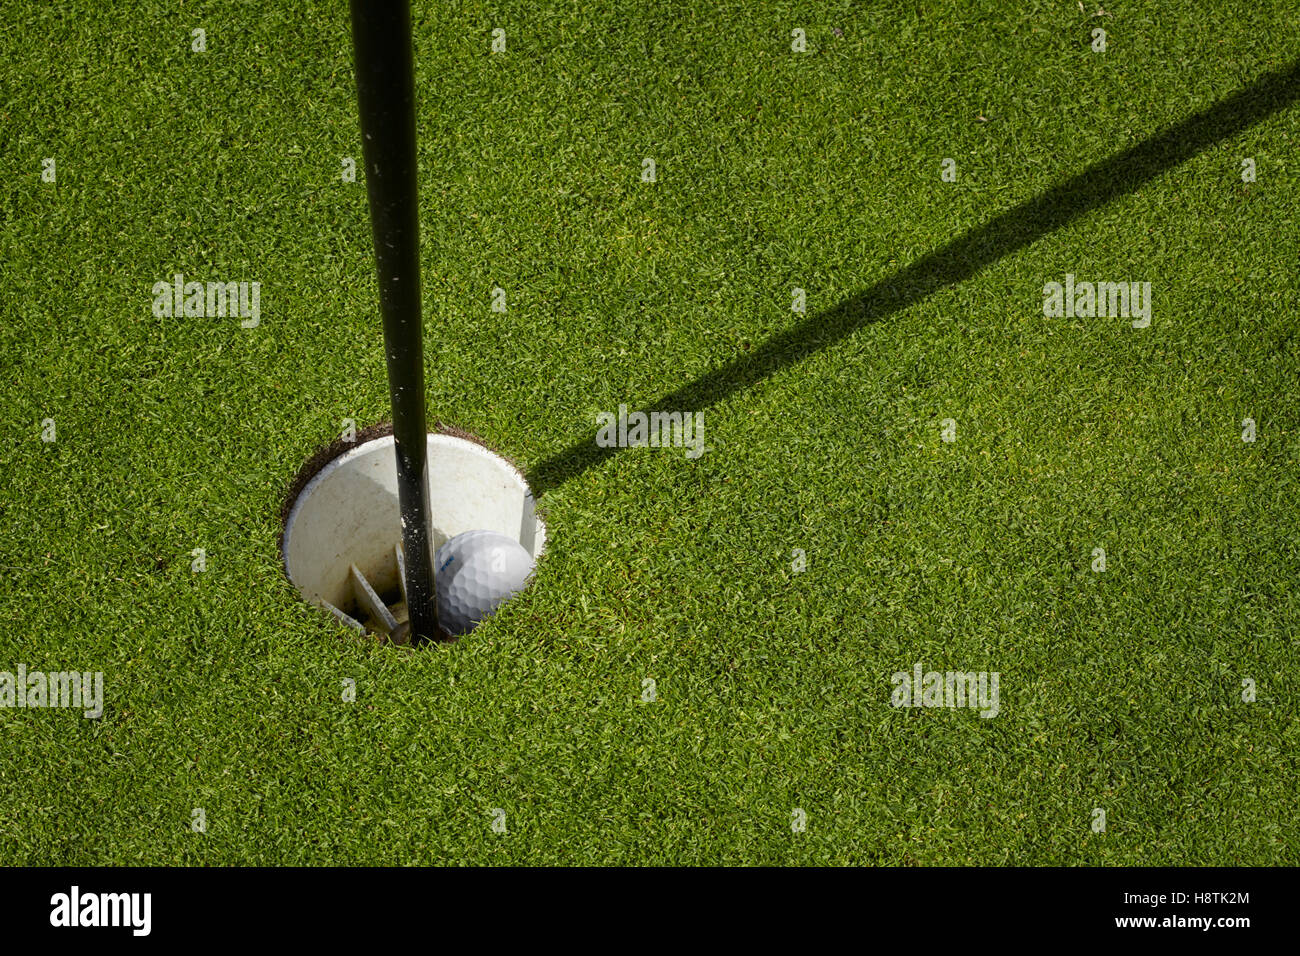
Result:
[[348, 514]]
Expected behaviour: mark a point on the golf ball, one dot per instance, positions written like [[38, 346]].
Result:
[[477, 571]]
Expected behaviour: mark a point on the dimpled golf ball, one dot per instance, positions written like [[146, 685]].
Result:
[[477, 571]]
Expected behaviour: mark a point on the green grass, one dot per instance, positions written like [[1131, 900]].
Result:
[[1120, 690]]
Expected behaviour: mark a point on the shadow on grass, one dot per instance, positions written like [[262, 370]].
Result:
[[959, 259]]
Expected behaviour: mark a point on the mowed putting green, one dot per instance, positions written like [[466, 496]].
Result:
[[932, 468]]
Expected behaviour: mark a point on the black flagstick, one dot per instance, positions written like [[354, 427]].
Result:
[[381, 43]]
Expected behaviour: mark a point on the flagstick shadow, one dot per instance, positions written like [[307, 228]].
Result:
[[959, 259]]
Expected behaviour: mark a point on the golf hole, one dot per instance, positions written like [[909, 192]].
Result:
[[342, 528]]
